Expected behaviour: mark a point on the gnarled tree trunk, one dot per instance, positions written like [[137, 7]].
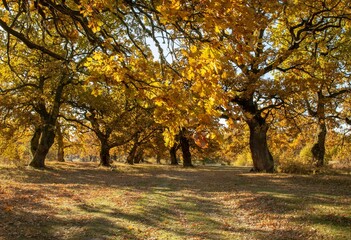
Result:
[[261, 156], [41, 143], [132, 154], [34, 142], [47, 139]]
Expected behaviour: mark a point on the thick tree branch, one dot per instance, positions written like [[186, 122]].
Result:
[[29, 43]]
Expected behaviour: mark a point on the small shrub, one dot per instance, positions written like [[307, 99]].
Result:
[[294, 165], [302, 163], [305, 155], [243, 159]]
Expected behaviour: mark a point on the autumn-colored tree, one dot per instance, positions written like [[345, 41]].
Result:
[[106, 112], [65, 33], [147, 130], [219, 58], [64, 133], [320, 84], [249, 41], [43, 52], [40, 84]]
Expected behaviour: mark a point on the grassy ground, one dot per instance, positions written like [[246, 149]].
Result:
[[81, 201]]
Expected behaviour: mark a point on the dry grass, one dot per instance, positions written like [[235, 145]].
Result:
[[81, 201]]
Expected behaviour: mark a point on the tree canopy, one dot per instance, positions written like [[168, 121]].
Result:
[[191, 75]]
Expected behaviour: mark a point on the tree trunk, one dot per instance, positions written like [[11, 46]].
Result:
[[139, 157], [184, 143], [47, 136], [104, 154], [60, 145], [173, 154], [261, 156], [34, 142], [318, 148], [47, 139], [131, 155], [158, 157]]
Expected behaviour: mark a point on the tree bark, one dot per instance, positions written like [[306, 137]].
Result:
[[158, 157], [105, 154], [47, 139], [173, 154], [318, 148], [261, 156], [47, 131], [60, 145], [131, 155], [184, 143], [139, 156], [34, 142]]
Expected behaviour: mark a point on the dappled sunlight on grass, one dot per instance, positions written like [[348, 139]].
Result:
[[82, 201]]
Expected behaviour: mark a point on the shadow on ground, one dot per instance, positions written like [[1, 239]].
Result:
[[146, 202]]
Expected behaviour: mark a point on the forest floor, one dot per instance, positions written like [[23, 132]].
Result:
[[81, 201]]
